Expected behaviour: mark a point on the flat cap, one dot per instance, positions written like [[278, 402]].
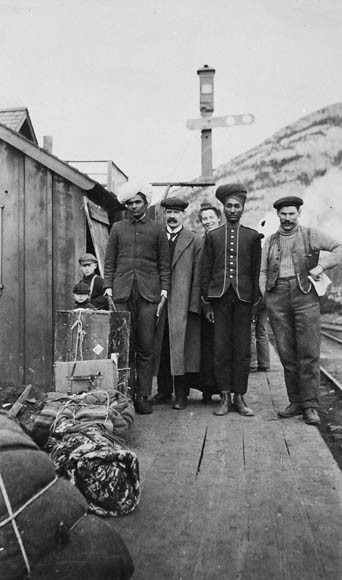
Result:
[[175, 203], [81, 288], [236, 190], [287, 201], [87, 258]]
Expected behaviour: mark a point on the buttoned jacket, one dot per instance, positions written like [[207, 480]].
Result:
[[231, 257], [137, 250]]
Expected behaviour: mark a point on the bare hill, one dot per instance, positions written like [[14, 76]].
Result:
[[305, 159]]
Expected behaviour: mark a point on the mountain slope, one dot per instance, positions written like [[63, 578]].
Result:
[[304, 159]]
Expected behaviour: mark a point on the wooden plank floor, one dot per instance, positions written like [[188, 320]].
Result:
[[234, 498]]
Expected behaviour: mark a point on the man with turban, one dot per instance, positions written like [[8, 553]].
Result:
[[137, 276], [230, 290]]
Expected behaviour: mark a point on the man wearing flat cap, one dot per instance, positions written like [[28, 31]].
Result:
[[137, 276], [178, 335], [229, 289], [289, 257]]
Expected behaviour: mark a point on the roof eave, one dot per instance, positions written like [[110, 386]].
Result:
[[96, 191]]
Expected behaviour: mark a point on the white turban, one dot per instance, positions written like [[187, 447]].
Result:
[[125, 191]]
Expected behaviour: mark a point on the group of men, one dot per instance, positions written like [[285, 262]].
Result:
[[170, 279]]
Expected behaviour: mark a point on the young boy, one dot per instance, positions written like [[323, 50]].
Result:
[[81, 296], [88, 266]]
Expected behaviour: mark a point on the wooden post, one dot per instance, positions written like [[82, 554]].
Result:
[[110, 175], [207, 153], [47, 143]]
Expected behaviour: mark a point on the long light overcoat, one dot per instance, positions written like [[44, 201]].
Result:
[[183, 307]]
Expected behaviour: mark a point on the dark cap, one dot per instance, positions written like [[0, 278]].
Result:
[[287, 201], [175, 203], [87, 258], [81, 288], [236, 190]]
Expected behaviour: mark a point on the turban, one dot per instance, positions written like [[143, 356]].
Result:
[[236, 190], [125, 191]]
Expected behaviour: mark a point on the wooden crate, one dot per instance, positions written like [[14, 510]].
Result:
[[94, 335], [86, 375]]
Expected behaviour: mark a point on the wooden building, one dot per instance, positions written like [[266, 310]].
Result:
[[50, 214]]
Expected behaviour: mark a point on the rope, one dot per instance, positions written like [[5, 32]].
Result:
[[61, 410], [79, 336], [13, 515]]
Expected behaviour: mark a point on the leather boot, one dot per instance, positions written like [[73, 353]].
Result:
[[224, 405], [311, 416], [241, 407], [181, 398]]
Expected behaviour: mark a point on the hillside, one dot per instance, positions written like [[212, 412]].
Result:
[[305, 159]]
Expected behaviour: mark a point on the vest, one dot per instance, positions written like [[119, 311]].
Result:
[[304, 257]]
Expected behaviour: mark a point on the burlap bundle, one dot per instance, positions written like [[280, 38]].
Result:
[[44, 526], [85, 438]]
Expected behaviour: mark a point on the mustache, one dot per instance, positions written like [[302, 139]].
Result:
[[171, 221]]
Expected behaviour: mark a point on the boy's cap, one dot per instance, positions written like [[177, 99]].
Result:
[[80, 288], [87, 258]]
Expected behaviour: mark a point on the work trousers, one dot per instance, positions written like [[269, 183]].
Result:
[[295, 321], [143, 324], [260, 347], [232, 340]]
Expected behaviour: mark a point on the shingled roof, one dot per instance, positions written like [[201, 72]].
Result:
[[18, 119]]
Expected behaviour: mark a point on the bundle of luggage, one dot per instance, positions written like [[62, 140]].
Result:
[[84, 435], [46, 531]]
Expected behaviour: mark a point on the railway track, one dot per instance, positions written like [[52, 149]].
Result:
[[332, 365], [327, 375], [332, 331], [331, 388]]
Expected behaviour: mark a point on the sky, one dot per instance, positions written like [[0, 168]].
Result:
[[112, 79]]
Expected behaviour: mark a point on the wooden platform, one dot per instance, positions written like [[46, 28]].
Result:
[[234, 498]]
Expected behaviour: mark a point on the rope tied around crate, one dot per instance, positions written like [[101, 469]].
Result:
[[79, 337], [12, 515]]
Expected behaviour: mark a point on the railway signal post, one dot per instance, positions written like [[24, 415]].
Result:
[[207, 122]]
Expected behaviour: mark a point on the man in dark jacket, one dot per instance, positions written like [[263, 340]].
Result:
[[229, 289], [137, 276]]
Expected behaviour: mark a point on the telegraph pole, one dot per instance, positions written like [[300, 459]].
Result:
[[207, 122]]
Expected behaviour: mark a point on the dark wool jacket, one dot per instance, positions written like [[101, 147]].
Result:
[[137, 250], [231, 257], [97, 298]]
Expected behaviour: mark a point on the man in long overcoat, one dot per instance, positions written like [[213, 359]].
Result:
[[178, 335], [137, 276]]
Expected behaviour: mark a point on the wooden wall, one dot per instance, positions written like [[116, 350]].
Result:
[[43, 235]]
